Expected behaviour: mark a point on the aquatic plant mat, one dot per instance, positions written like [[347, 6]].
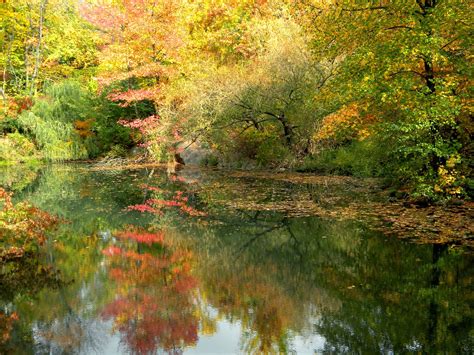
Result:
[[347, 198]]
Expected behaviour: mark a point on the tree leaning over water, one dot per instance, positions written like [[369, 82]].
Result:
[[374, 89]]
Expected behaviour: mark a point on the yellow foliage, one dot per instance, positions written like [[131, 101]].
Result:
[[448, 178]]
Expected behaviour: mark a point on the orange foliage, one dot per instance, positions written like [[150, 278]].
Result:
[[345, 124], [83, 128], [6, 326]]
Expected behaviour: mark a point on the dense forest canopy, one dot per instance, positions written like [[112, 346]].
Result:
[[376, 88]]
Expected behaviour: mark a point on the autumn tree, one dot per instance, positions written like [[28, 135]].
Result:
[[42, 40], [407, 63]]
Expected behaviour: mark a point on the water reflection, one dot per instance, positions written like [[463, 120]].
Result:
[[153, 305], [236, 280]]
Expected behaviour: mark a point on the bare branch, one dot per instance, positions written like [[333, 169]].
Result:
[[371, 8], [408, 71], [399, 26]]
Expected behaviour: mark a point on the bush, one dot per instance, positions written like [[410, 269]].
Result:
[[57, 140], [68, 124], [117, 151], [210, 160], [16, 148], [264, 148], [360, 158], [9, 125]]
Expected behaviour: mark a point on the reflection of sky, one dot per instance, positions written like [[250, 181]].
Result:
[[226, 340]]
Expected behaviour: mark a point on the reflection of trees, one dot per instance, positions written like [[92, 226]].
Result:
[[23, 278], [387, 304], [277, 276], [363, 293], [244, 282], [154, 305], [64, 322], [87, 199], [18, 177]]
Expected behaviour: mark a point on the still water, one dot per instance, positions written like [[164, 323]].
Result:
[[207, 263]]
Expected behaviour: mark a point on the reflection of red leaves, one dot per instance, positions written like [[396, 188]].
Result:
[[142, 237], [177, 178], [155, 205], [143, 208], [138, 319], [185, 284], [192, 212], [22, 226], [6, 326], [111, 251], [154, 308], [151, 188]]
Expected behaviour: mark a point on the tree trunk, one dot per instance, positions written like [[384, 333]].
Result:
[[287, 129], [34, 76]]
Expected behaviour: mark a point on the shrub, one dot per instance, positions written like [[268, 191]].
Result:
[[56, 140], [68, 124], [265, 148], [23, 227], [16, 148], [360, 158], [210, 160]]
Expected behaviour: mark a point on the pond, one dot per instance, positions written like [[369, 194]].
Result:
[[197, 261]]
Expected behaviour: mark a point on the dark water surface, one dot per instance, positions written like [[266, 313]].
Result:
[[240, 279]]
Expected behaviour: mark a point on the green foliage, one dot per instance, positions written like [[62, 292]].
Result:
[[361, 159], [16, 148], [210, 160], [265, 148], [51, 122], [67, 124], [117, 151], [43, 41], [406, 65], [256, 111]]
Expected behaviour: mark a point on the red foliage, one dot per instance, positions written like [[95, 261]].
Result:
[[155, 205], [112, 250], [185, 284], [127, 97], [22, 227], [18, 105], [7, 199], [142, 237], [143, 125], [151, 188], [177, 178]]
